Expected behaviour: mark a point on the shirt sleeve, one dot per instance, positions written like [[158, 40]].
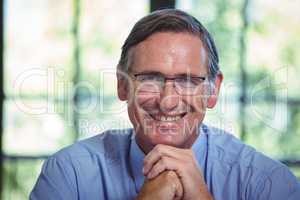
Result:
[[57, 181], [279, 184]]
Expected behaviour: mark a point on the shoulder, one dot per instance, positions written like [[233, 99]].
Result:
[[259, 173], [107, 145], [230, 150], [68, 173]]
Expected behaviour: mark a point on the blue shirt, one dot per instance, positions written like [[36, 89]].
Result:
[[109, 166]]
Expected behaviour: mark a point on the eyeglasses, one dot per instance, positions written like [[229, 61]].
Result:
[[183, 84]]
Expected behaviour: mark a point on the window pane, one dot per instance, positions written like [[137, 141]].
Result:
[[37, 36], [104, 27], [98, 115], [273, 41], [19, 178], [33, 127], [273, 128]]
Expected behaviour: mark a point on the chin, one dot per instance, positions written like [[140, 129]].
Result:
[[170, 138]]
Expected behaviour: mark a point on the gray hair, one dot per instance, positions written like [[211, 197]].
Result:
[[169, 20]]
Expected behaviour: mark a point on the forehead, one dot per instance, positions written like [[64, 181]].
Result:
[[170, 53]]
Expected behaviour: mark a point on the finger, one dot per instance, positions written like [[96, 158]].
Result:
[[152, 157], [178, 189], [162, 150], [165, 163]]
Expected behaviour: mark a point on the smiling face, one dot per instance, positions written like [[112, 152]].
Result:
[[166, 117]]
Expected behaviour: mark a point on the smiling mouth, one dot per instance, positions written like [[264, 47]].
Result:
[[167, 118]]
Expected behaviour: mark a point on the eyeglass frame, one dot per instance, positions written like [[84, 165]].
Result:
[[165, 79]]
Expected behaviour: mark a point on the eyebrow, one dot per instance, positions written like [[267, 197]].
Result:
[[159, 73], [150, 72]]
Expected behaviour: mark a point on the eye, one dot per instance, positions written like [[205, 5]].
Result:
[[185, 79], [197, 80], [148, 77], [188, 81]]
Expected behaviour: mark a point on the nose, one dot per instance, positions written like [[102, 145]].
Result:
[[169, 99]]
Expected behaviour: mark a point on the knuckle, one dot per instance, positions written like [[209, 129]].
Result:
[[158, 148], [190, 155], [171, 175], [153, 170]]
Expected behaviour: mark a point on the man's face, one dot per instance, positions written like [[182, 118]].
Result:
[[165, 116]]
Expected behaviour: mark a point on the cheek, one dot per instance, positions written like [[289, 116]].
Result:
[[147, 104], [145, 101], [197, 103], [131, 114], [139, 107]]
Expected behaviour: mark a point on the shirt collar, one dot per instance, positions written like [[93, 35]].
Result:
[[137, 156]]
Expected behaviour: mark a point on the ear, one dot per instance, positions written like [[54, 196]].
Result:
[[212, 99], [122, 86]]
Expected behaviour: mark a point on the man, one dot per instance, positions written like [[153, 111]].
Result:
[[169, 75]]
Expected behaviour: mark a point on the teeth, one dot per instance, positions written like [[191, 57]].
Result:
[[169, 119]]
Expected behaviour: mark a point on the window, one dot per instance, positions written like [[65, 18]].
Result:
[[59, 75]]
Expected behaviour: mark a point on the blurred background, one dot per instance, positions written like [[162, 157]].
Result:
[[57, 76]]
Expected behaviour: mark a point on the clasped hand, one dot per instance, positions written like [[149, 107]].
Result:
[[172, 173]]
